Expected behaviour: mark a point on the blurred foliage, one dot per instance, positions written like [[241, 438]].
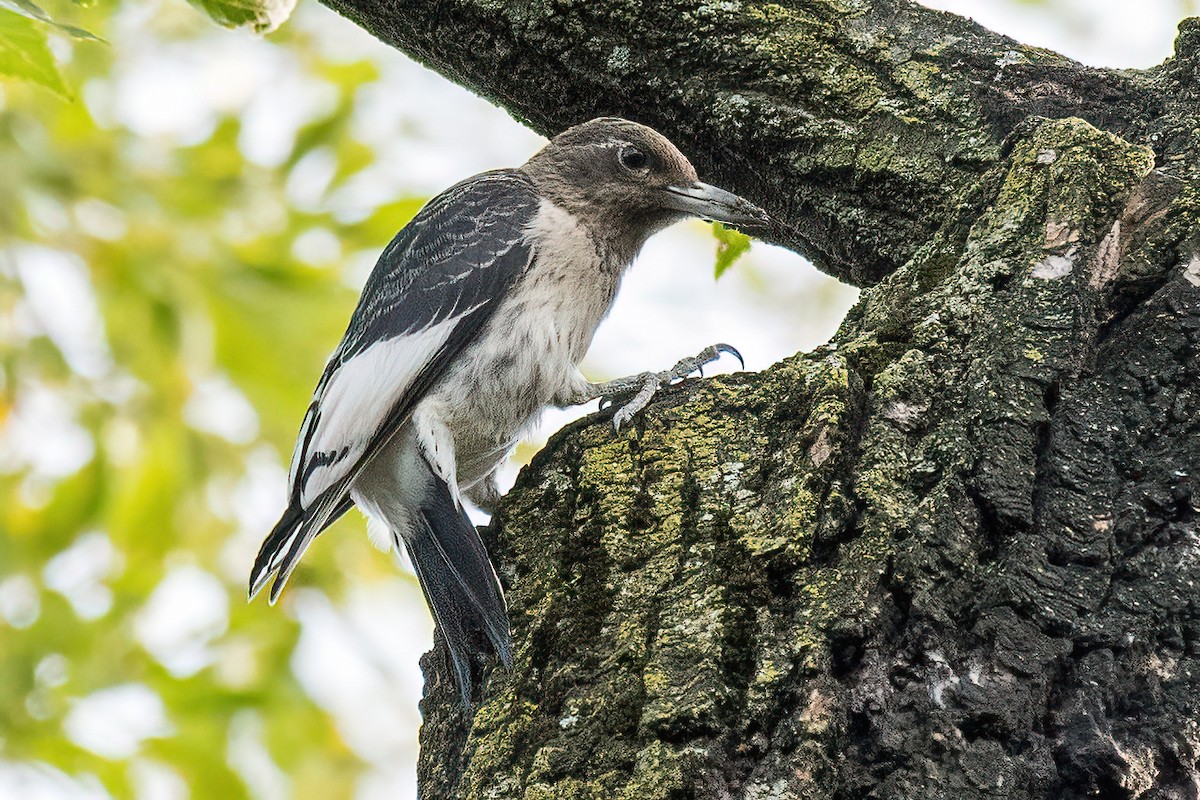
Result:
[[260, 17], [32, 10], [203, 276], [24, 51], [731, 245]]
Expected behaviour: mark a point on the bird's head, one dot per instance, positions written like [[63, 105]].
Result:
[[627, 181]]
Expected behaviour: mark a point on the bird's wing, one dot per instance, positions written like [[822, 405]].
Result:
[[429, 296]]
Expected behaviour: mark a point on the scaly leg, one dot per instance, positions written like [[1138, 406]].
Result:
[[640, 389]]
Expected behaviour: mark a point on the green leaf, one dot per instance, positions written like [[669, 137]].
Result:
[[27, 8], [261, 16], [731, 244], [24, 53]]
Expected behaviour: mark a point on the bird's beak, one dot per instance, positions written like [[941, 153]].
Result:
[[702, 200]]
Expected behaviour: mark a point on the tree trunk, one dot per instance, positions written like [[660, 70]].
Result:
[[955, 553]]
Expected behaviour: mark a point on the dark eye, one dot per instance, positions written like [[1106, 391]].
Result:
[[632, 158]]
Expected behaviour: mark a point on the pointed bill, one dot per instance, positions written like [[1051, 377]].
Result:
[[709, 202]]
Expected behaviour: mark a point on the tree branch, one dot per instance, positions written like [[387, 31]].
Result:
[[855, 123]]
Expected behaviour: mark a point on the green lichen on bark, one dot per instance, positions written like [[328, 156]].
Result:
[[777, 581], [855, 123]]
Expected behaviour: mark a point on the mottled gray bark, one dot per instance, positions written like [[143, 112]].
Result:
[[953, 554], [857, 123]]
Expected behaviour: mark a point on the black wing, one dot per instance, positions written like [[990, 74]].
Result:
[[430, 294]]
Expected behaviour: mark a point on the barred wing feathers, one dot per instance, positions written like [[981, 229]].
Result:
[[429, 296]]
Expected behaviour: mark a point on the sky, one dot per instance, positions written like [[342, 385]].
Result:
[[350, 657]]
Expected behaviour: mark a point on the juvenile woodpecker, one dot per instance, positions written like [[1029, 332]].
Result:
[[472, 321]]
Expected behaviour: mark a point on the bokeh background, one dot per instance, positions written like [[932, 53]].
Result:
[[183, 229]]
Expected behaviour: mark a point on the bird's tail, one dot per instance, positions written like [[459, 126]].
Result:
[[275, 548], [287, 541], [459, 582]]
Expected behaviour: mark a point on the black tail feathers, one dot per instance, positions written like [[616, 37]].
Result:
[[450, 561], [460, 584], [288, 540], [274, 548]]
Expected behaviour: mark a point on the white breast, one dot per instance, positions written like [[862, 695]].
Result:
[[528, 353], [569, 288]]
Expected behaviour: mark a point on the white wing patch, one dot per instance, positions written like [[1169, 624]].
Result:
[[298, 451], [356, 401]]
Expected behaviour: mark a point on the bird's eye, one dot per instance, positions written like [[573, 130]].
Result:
[[632, 158]]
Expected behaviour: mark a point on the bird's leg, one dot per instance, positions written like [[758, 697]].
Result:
[[638, 390]]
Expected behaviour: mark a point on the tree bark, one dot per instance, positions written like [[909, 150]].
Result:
[[955, 553]]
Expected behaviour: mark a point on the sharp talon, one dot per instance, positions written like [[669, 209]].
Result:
[[605, 402], [731, 350], [700, 369]]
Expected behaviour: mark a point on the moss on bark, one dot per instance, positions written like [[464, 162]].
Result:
[[913, 563], [855, 123]]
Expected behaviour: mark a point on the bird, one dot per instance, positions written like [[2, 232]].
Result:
[[473, 320]]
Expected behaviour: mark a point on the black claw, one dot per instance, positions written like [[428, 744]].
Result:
[[605, 402], [731, 350]]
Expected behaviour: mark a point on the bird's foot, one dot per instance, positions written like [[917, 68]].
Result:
[[638, 390]]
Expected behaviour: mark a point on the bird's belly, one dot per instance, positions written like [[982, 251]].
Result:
[[526, 355], [483, 423], [497, 390]]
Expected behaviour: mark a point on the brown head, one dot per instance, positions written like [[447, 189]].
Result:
[[627, 181]]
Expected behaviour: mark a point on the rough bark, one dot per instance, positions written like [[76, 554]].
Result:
[[856, 123], [952, 554]]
